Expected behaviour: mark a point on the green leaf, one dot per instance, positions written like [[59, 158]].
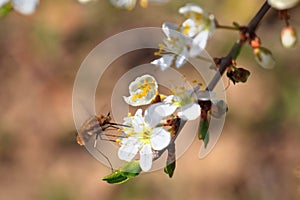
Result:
[[236, 25], [5, 9], [126, 172], [203, 131], [236, 52], [131, 169], [170, 168], [116, 177], [171, 160]]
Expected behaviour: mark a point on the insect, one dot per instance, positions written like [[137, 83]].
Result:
[[94, 128]]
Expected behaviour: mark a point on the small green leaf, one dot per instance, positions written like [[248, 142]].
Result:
[[131, 169], [170, 168], [235, 24], [126, 172], [203, 133], [236, 52], [116, 177], [171, 160], [5, 9]]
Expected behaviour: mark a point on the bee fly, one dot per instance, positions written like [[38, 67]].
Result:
[[96, 126]]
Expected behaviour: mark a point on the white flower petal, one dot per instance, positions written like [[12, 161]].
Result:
[[128, 100], [168, 28], [25, 7], [164, 62], [151, 116], [127, 4], [160, 138], [189, 112], [199, 43], [190, 28], [182, 58], [190, 8], [146, 157], [129, 148], [2, 2]]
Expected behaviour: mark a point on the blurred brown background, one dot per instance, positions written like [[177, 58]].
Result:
[[257, 156]]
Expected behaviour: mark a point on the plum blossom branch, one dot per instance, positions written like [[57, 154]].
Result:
[[226, 61], [234, 52]]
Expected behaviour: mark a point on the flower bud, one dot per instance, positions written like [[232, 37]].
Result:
[[264, 58], [283, 4], [288, 37], [255, 43]]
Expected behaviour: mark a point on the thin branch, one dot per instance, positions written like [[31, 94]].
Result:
[[227, 61]]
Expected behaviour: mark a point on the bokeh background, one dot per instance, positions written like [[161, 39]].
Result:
[[257, 156]]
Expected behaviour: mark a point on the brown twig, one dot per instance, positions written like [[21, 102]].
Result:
[[234, 52]]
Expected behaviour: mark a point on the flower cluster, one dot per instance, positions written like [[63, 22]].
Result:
[[186, 40], [146, 134]]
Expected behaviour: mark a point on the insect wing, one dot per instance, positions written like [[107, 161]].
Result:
[[90, 129]]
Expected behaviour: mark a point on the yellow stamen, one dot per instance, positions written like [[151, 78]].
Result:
[[145, 87]]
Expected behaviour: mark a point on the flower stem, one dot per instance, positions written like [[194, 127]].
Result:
[[234, 52], [227, 27]]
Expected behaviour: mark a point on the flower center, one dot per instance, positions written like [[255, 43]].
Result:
[[144, 90], [146, 135]]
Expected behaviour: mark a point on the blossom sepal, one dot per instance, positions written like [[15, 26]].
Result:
[[203, 133], [126, 172], [171, 161]]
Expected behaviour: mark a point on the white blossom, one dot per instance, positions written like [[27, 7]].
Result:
[[143, 136], [185, 103], [198, 24], [142, 91], [176, 48]]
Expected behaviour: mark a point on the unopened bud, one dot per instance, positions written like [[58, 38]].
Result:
[[255, 43], [288, 37], [283, 4], [264, 58]]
